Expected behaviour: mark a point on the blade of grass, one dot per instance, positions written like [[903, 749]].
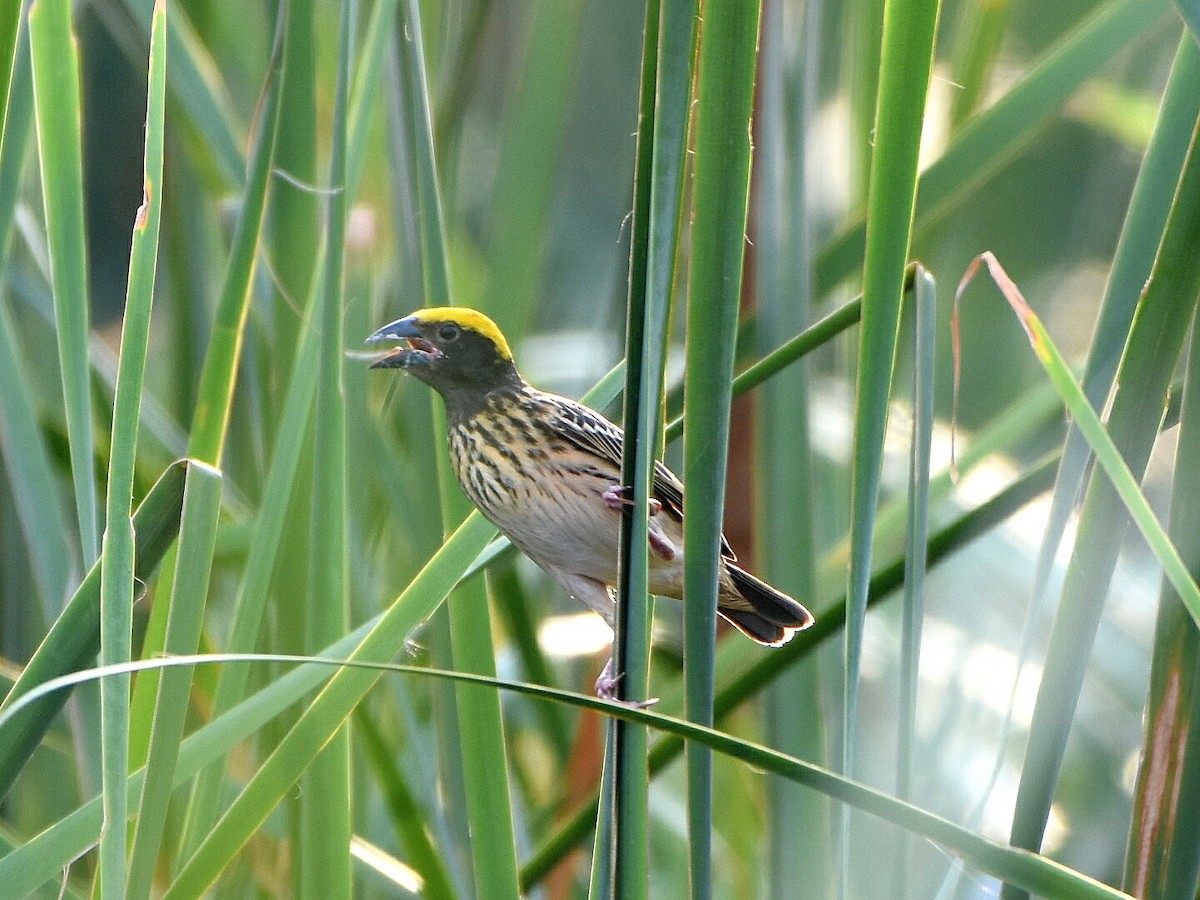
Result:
[[784, 502], [721, 190], [905, 67], [55, 59], [1166, 307], [485, 765], [117, 569], [742, 676], [330, 709], [990, 139], [206, 442], [620, 859], [325, 815], [31, 479], [1162, 858], [1022, 867], [979, 35], [1132, 266], [915, 550], [195, 84], [1133, 261], [74, 640]]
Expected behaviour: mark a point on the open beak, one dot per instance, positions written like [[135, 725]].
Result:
[[417, 350]]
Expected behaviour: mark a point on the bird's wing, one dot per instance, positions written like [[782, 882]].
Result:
[[592, 433]]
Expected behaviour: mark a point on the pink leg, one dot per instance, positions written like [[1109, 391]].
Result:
[[606, 688], [614, 498], [660, 546]]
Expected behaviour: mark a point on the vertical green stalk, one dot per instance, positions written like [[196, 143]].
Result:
[[624, 850], [725, 103], [293, 214], [189, 582], [36, 494], [481, 725], [56, 100], [117, 569], [1163, 857], [784, 539], [909, 33], [916, 545], [325, 813]]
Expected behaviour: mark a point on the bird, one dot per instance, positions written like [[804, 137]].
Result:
[[546, 471]]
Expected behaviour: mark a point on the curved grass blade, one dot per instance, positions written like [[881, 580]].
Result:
[[74, 640], [1166, 308], [1027, 869]]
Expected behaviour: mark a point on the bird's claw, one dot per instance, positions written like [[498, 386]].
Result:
[[617, 496], [606, 689]]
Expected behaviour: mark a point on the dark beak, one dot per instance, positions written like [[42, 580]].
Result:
[[407, 330]]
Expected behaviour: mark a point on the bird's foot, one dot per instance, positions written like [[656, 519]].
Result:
[[618, 495], [606, 688]]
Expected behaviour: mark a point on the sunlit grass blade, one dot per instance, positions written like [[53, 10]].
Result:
[[1132, 264], [741, 676], [55, 60], [1166, 308], [75, 637], [905, 67], [1162, 859], [117, 569]]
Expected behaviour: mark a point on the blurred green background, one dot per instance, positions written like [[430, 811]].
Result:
[[534, 120]]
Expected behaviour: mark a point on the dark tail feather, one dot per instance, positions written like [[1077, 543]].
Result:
[[773, 616]]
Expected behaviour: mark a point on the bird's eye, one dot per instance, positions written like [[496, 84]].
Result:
[[448, 332]]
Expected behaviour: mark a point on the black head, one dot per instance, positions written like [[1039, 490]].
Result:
[[457, 351]]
